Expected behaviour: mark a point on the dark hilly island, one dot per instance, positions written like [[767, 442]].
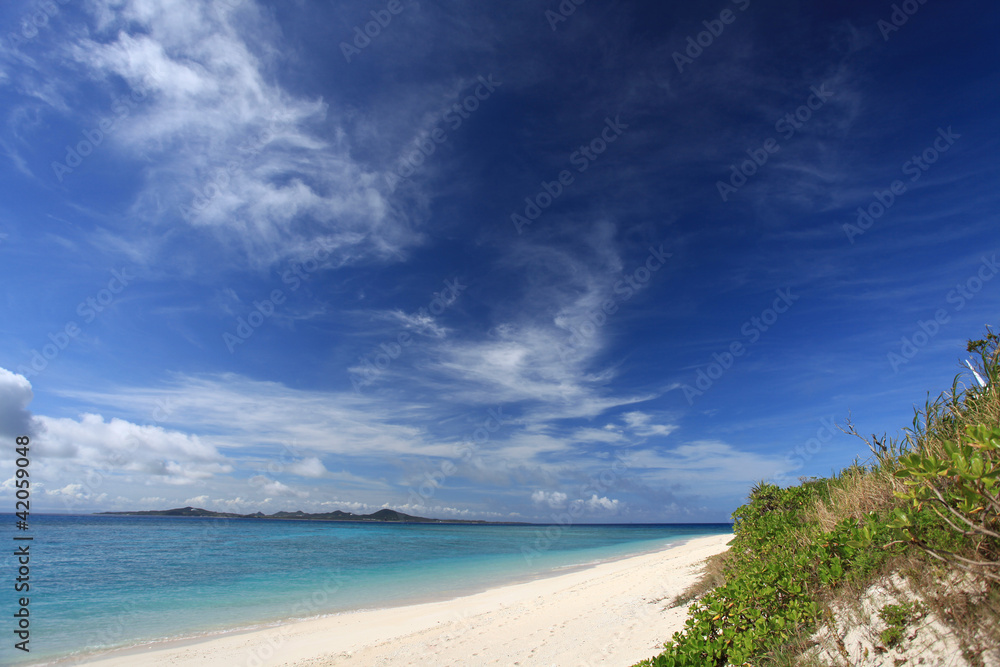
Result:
[[382, 516]]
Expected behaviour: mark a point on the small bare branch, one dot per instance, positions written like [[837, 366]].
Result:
[[982, 530]]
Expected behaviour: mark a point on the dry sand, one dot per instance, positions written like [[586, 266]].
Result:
[[610, 614]]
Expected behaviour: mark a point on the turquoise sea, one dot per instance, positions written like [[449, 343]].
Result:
[[99, 582]]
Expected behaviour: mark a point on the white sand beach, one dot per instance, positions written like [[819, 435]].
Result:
[[614, 613]]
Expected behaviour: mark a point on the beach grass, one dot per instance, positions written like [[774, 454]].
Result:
[[925, 507]]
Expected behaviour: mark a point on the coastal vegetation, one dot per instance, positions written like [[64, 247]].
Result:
[[921, 516]]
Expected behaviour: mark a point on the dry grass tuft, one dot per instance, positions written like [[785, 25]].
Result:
[[854, 494], [712, 576]]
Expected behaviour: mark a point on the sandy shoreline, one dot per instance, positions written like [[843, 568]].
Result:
[[604, 615]]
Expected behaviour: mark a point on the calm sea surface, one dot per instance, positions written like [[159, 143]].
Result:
[[99, 582]]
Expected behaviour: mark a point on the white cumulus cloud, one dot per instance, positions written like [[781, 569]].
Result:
[[554, 499], [605, 504], [15, 395]]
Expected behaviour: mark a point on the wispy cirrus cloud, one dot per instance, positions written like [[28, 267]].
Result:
[[641, 424], [239, 412], [220, 147], [544, 350], [706, 467]]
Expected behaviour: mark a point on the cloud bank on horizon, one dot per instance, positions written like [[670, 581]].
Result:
[[521, 262]]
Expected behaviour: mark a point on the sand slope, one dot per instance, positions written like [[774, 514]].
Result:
[[610, 614]]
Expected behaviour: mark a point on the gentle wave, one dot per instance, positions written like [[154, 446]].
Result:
[[104, 582]]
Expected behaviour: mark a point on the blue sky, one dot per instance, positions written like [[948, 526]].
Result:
[[489, 260]]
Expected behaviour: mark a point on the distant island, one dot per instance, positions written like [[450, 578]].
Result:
[[384, 516]]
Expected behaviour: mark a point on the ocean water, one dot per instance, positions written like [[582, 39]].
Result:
[[101, 582]]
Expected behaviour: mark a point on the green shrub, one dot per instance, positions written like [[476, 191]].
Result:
[[897, 617], [936, 490], [950, 475], [960, 484], [778, 566]]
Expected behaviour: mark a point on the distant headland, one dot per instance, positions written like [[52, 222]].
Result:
[[382, 516]]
